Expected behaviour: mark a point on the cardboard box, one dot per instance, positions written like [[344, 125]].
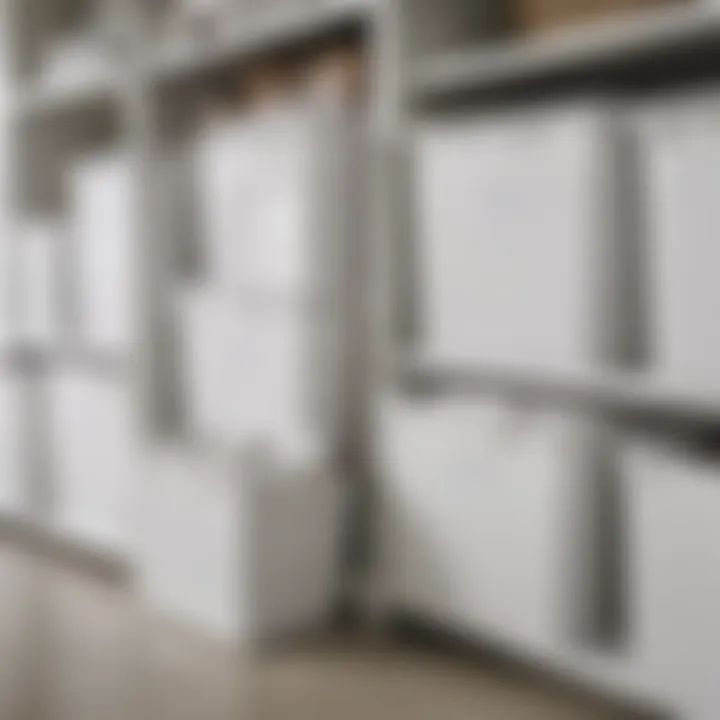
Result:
[[341, 72], [538, 16]]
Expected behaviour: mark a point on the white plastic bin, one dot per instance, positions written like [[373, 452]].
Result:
[[516, 223], [239, 549], [106, 261], [39, 279], [248, 370], [8, 319], [13, 442], [225, 163], [674, 516], [258, 196], [487, 518], [268, 189], [74, 60], [95, 457], [679, 154]]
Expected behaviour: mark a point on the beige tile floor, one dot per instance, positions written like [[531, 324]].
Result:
[[74, 649]]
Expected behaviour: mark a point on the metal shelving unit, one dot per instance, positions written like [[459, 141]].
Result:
[[608, 392], [35, 103], [416, 61], [616, 48], [445, 70], [131, 93], [297, 27], [657, 48]]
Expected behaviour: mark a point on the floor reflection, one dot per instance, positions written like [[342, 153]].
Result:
[[73, 649]]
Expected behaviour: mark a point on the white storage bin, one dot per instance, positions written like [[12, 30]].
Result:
[[435, 523], [8, 288], [198, 20], [74, 60], [674, 516], [105, 242], [679, 153], [247, 370], [264, 192], [489, 509], [7, 190], [292, 200], [516, 224], [238, 548], [215, 355], [95, 457], [201, 6], [13, 442], [226, 163], [39, 281]]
